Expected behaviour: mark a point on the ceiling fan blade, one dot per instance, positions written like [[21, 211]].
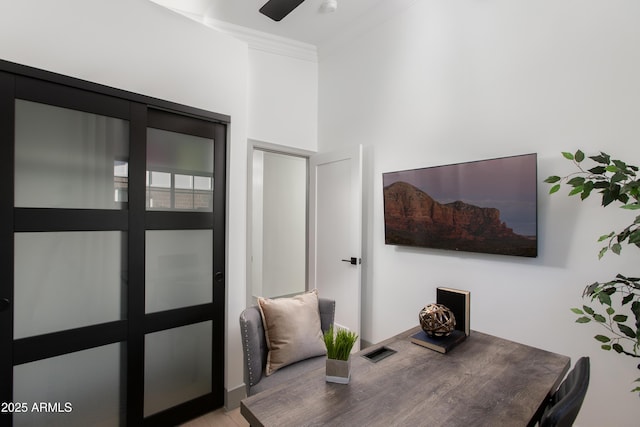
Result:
[[278, 9]]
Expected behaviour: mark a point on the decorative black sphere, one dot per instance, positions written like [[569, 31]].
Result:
[[437, 320]]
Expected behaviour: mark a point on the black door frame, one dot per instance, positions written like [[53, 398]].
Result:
[[18, 81]]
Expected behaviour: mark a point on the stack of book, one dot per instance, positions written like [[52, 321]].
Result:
[[439, 344]]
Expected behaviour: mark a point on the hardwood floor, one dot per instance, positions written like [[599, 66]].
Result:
[[219, 418]]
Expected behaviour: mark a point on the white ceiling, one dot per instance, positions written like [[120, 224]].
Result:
[[307, 23]]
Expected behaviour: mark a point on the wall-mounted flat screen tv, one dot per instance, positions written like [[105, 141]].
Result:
[[485, 206]]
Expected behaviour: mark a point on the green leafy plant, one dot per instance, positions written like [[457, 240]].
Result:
[[616, 181], [339, 343]]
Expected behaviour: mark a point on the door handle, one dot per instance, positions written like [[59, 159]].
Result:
[[4, 304], [353, 260]]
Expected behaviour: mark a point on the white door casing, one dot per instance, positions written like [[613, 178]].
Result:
[[335, 232]]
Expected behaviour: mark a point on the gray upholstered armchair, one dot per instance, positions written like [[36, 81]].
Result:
[[255, 349]]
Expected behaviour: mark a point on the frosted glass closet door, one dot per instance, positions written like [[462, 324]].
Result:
[[67, 163], [178, 268]]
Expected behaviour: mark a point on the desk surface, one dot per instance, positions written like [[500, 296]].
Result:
[[485, 381]]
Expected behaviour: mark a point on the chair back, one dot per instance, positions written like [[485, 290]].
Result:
[[254, 342], [567, 400]]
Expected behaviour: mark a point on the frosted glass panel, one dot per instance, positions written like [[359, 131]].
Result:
[[177, 366], [69, 159], [180, 171], [178, 268], [84, 388], [66, 280]]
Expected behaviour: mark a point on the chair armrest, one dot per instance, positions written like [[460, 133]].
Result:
[[327, 309], [254, 344]]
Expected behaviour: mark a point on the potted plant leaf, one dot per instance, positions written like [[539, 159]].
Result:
[[339, 344], [619, 298]]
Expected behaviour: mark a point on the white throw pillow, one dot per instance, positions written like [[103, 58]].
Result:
[[292, 328]]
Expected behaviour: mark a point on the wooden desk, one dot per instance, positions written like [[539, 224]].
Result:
[[485, 381]]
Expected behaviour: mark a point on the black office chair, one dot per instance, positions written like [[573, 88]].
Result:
[[567, 400]]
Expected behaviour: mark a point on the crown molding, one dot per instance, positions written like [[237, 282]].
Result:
[[257, 40], [266, 42]]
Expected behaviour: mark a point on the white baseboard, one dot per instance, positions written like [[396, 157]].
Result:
[[233, 397]]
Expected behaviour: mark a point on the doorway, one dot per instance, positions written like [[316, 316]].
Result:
[[278, 221], [329, 247]]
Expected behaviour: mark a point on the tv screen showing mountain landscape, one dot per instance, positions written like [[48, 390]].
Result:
[[485, 206]]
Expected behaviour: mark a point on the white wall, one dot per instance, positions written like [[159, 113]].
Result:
[[283, 99], [141, 47], [445, 82]]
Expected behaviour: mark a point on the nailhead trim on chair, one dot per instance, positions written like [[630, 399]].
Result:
[[246, 346], [252, 377]]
